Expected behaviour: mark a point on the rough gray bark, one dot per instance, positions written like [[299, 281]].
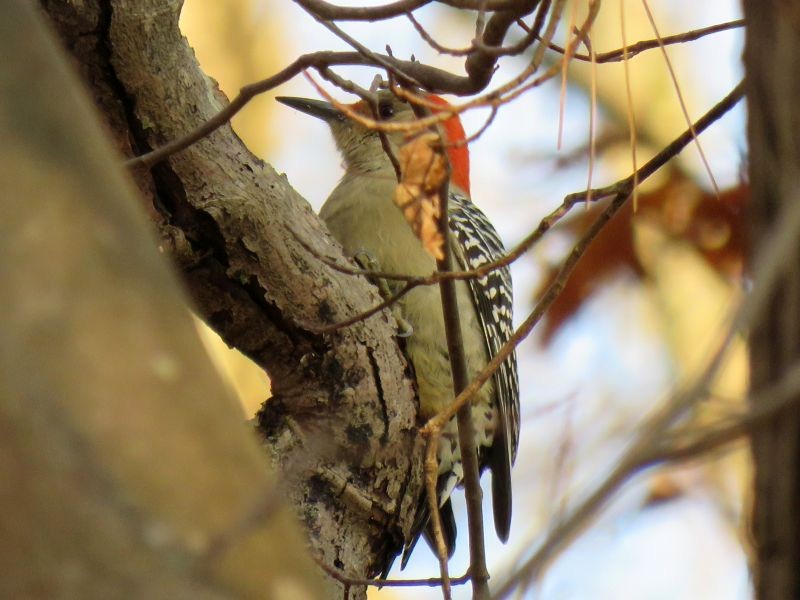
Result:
[[772, 61], [341, 423]]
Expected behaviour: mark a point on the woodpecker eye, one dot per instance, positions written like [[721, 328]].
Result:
[[385, 110]]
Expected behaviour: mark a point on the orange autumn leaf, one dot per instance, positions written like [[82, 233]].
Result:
[[423, 171]]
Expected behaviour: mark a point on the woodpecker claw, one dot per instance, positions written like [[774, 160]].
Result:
[[404, 328], [366, 260]]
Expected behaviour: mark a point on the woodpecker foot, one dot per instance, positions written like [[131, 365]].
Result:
[[387, 289]]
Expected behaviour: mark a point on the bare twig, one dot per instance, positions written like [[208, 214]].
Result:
[[332, 12], [639, 47], [431, 467], [629, 106], [426, 582], [681, 101], [323, 329], [531, 35], [479, 64], [374, 58], [466, 428], [431, 41], [479, 67], [430, 77]]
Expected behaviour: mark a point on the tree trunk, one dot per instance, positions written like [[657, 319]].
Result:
[[342, 422], [772, 61]]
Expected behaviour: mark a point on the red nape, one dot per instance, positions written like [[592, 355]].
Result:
[[458, 154]]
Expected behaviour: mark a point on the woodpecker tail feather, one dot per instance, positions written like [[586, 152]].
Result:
[[501, 480], [423, 526]]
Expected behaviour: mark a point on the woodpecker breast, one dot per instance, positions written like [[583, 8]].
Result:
[[361, 215]]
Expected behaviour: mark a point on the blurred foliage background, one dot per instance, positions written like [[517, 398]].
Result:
[[640, 313]]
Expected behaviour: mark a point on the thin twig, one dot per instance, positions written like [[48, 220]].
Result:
[[631, 112], [373, 57], [639, 47], [332, 12], [505, 93], [510, 89], [466, 428], [681, 101], [425, 582], [431, 468], [592, 115], [388, 302], [433, 78], [431, 41]]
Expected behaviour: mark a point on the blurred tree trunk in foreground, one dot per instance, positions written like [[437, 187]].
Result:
[[773, 73], [124, 463]]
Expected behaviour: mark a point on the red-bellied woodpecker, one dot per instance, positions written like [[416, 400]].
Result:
[[361, 214]]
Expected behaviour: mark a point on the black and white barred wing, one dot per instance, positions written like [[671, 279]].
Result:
[[477, 243]]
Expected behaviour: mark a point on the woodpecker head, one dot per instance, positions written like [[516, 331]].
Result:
[[361, 147]]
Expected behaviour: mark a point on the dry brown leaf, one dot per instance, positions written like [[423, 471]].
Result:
[[423, 171]]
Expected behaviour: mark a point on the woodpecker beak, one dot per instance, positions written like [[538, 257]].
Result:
[[316, 108]]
